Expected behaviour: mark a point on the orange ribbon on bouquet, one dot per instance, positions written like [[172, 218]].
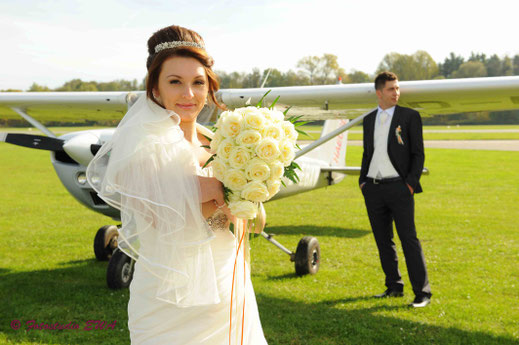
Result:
[[241, 231]]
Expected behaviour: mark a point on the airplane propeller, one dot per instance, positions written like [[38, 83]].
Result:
[[33, 141], [81, 148]]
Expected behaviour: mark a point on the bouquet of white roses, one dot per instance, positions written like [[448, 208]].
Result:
[[253, 148]]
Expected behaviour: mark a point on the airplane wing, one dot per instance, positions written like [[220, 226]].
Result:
[[430, 97]]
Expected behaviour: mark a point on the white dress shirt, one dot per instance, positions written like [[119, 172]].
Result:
[[380, 165]]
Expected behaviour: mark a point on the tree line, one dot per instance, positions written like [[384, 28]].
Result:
[[325, 69]]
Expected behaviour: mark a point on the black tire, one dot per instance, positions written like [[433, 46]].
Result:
[[308, 256], [104, 236], [119, 273]]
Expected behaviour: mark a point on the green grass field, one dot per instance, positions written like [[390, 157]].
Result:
[[467, 220]]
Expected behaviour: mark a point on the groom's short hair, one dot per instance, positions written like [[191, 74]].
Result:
[[382, 77]]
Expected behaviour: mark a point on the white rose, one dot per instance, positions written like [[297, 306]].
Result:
[[233, 197], [244, 209], [274, 131], [255, 191], [220, 119], [224, 149], [267, 114], [287, 152], [289, 130], [238, 157], [257, 170], [273, 187], [248, 138], [277, 116], [231, 124], [219, 168], [235, 179], [277, 169], [267, 149], [253, 119], [215, 142]]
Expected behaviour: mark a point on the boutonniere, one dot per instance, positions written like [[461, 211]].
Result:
[[398, 133]]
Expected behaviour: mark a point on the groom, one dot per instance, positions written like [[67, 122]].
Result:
[[392, 163]]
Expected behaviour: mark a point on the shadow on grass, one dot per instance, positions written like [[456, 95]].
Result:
[[309, 230], [74, 294], [289, 322], [79, 293]]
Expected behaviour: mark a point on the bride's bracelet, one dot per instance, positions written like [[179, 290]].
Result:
[[219, 206]]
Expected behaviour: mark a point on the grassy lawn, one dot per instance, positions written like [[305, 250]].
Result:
[[467, 220]]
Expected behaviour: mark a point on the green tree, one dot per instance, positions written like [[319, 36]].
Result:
[[507, 66], [329, 69], [515, 63], [471, 69], [494, 66], [252, 79], [450, 64], [38, 88], [419, 66], [359, 77], [478, 57], [310, 65], [78, 85]]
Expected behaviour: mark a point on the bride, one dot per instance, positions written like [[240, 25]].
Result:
[[188, 286]]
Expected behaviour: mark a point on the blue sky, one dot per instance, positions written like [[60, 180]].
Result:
[[51, 42]]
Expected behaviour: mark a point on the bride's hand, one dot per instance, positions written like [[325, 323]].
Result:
[[211, 189]]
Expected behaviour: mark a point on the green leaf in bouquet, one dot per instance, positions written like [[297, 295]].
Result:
[[274, 103], [209, 161], [286, 111], [205, 146], [260, 103], [209, 139], [226, 193]]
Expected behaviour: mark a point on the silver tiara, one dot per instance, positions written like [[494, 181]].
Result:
[[176, 44]]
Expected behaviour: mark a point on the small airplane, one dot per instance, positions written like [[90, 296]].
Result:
[[322, 161]]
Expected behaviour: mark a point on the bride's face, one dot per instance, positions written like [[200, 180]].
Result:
[[183, 87]]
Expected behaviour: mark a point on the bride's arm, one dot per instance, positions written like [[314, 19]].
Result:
[[209, 208], [211, 189]]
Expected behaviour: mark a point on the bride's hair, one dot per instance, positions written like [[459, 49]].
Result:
[[155, 60]]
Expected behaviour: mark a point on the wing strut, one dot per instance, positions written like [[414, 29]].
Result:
[[331, 135], [34, 122]]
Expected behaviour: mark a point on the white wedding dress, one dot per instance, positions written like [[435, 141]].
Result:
[[186, 270], [155, 322]]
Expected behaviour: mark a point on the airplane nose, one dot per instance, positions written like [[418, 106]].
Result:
[[78, 147]]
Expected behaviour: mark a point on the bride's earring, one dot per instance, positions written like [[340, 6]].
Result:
[[157, 98]]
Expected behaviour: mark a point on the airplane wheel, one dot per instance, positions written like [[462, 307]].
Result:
[[120, 270], [308, 256], [105, 242]]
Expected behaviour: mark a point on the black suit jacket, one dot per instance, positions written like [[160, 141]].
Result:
[[407, 156]]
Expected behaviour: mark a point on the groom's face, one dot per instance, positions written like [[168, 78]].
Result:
[[388, 96]]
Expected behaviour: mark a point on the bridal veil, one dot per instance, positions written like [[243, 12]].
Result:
[[148, 172]]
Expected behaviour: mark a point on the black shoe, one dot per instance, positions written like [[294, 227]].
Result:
[[420, 302], [390, 293]]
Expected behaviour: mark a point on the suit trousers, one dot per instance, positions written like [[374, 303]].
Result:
[[390, 202]]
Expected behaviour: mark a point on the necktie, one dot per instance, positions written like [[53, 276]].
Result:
[[383, 117]]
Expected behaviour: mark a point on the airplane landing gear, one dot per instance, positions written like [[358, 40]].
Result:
[[120, 270], [120, 266], [105, 242], [307, 256]]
